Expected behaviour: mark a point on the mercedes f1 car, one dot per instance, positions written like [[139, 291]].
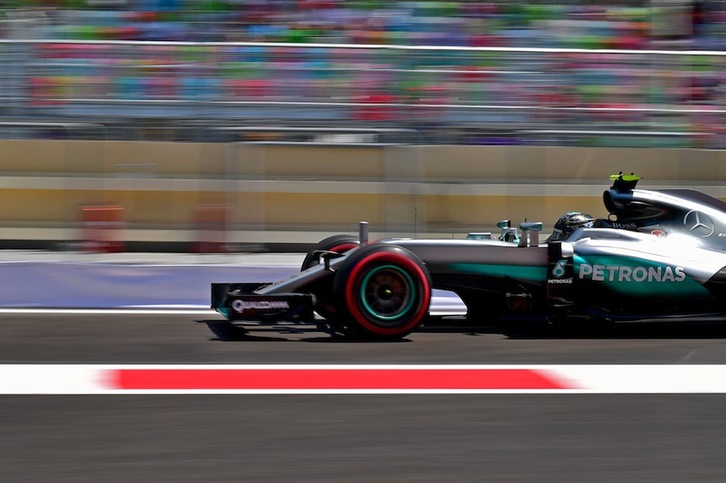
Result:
[[659, 253]]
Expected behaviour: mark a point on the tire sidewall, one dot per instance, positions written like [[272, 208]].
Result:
[[358, 268]]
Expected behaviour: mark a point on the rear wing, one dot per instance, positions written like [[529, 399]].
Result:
[[624, 182]]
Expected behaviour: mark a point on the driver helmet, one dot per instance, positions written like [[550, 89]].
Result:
[[568, 223]]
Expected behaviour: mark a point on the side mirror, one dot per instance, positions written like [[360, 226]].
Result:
[[530, 233], [531, 226]]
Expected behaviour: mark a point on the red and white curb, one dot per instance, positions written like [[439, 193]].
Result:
[[359, 379]]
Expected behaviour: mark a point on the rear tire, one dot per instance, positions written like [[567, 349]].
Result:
[[335, 243], [383, 292]]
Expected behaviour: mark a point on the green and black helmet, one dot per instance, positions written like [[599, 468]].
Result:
[[568, 223]]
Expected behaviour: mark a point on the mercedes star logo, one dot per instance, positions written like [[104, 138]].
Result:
[[699, 224]]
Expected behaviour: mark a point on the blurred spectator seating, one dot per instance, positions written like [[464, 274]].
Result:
[[626, 24], [484, 64]]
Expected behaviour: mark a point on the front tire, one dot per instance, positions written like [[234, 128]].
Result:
[[384, 291]]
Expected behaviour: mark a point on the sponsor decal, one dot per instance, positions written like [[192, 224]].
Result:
[[699, 224], [558, 271], [623, 226], [619, 273], [240, 306], [560, 281], [638, 278]]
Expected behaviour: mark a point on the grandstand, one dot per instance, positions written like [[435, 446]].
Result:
[[502, 23], [470, 72]]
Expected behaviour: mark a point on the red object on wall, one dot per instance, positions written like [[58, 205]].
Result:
[[102, 227]]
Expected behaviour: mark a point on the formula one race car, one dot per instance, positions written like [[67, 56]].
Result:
[[659, 254]]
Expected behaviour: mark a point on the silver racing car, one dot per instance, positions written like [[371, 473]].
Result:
[[660, 253]]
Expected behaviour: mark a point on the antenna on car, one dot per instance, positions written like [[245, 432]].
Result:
[[363, 232]]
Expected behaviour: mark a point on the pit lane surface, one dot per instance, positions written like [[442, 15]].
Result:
[[398, 438]]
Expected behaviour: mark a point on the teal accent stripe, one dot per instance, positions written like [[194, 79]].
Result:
[[520, 272]]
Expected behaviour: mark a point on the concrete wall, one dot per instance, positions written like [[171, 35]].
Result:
[[398, 189]]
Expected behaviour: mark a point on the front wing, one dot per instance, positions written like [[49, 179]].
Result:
[[238, 301]]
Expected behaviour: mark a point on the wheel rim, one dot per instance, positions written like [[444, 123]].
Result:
[[387, 293], [351, 294]]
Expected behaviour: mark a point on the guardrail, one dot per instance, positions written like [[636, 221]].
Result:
[[320, 136], [52, 130]]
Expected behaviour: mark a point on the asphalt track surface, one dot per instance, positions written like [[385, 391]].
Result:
[[396, 438]]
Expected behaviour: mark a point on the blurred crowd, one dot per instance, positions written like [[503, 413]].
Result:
[[671, 92], [628, 24]]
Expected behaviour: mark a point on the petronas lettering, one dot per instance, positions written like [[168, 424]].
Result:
[[617, 273]]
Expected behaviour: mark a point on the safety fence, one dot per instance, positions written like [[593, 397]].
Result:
[[491, 95]]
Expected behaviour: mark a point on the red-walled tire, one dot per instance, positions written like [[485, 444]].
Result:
[[384, 292], [324, 305], [335, 243]]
